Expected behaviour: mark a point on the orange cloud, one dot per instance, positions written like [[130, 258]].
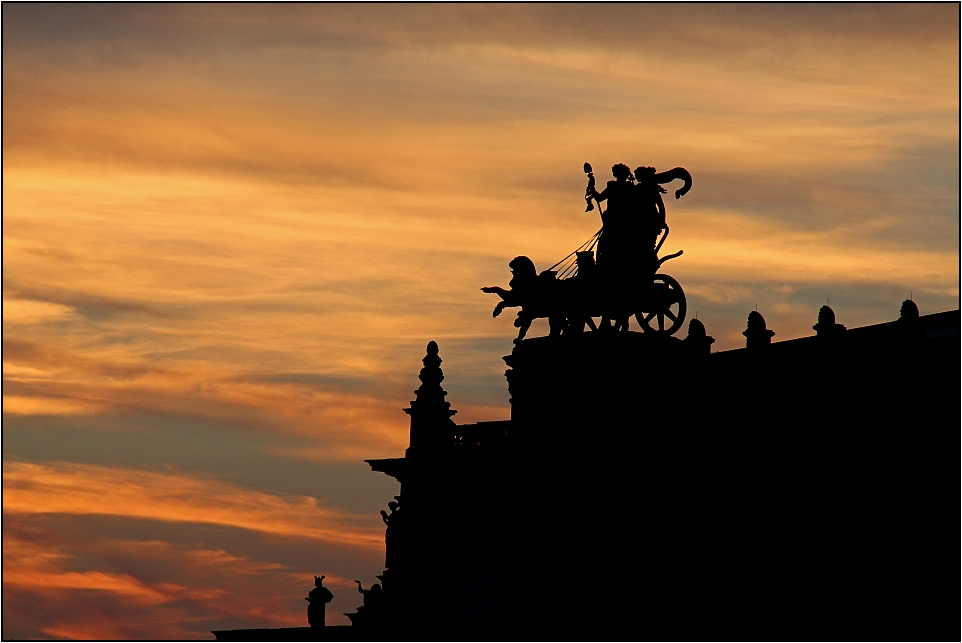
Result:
[[87, 489], [139, 604], [766, 250]]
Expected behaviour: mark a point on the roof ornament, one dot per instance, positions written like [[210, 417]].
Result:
[[431, 424], [909, 325], [757, 334], [826, 326]]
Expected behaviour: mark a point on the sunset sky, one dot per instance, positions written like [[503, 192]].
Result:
[[229, 231]]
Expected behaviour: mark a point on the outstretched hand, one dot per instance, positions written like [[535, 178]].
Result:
[[488, 289]]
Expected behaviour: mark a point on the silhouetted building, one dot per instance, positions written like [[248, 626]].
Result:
[[641, 490], [644, 488]]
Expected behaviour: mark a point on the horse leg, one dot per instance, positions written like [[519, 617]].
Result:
[[523, 323]]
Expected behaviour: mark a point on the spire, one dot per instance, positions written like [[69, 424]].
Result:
[[431, 424]]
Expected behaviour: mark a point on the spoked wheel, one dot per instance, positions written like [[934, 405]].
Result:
[[664, 305]]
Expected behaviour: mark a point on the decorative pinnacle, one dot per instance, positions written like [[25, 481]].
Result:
[[431, 424], [430, 396], [909, 311], [696, 329], [431, 375], [757, 332], [826, 325]]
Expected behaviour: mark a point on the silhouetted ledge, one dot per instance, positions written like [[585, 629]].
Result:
[[393, 467], [329, 633], [936, 328]]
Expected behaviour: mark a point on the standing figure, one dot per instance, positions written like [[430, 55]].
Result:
[[650, 204], [613, 245], [649, 220], [393, 545], [317, 599]]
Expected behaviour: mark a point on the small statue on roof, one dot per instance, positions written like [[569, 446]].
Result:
[[317, 599]]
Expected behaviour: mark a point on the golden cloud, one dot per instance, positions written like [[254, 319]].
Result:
[[88, 489], [147, 604]]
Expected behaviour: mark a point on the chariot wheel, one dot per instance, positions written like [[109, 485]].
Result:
[[663, 306]]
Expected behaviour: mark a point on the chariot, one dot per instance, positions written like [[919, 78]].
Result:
[[582, 292], [576, 290]]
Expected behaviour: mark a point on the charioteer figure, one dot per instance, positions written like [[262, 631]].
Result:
[[393, 535], [614, 244]]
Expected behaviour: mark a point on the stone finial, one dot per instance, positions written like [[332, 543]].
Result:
[[431, 424], [826, 326], [826, 316], [698, 340], [909, 325], [757, 334], [909, 311], [431, 375]]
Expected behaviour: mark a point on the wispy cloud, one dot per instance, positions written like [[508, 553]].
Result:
[[153, 589], [87, 489]]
